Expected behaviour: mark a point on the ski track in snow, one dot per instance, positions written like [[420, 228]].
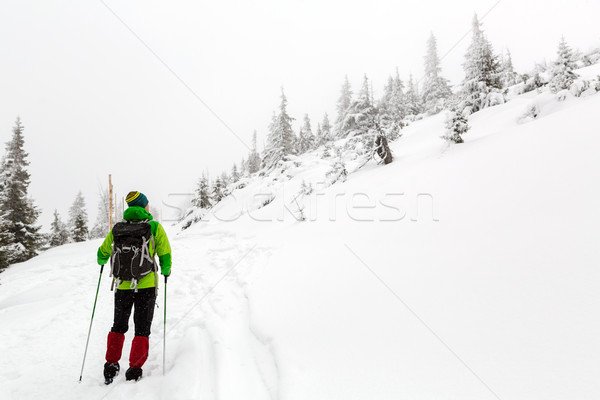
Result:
[[209, 339]]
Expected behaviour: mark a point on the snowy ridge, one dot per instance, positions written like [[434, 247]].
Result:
[[491, 243]]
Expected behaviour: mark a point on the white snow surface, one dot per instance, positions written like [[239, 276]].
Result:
[[457, 272]]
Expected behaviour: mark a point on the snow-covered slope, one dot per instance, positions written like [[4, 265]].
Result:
[[456, 272]]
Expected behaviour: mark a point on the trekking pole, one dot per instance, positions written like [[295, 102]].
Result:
[[165, 328], [91, 321]]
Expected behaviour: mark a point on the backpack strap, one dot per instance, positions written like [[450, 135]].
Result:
[[134, 285], [155, 265], [112, 270]]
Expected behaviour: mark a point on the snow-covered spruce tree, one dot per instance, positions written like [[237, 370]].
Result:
[[562, 69], [482, 72], [253, 157], [343, 103], [456, 125], [78, 219], [319, 139], [414, 102], [281, 137], [326, 133], [360, 114], [217, 191], [384, 105], [225, 182], [243, 167], [235, 175], [59, 233], [306, 139], [102, 225], [203, 195], [19, 212], [398, 100], [509, 76], [389, 118], [338, 171], [436, 90], [6, 243], [392, 107]]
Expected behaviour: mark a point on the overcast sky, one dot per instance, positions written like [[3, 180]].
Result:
[[94, 100]]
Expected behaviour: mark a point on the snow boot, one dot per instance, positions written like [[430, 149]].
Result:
[[110, 371], [133, 374]]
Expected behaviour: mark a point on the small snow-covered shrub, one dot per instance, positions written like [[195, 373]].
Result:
[[533, 83], [517, 89], [327, 150], [412, 117], [578, 87], [532, 111], [456, 126], [591, 58], [494, 99], [306, 189], [468, 110], [589, 92], [337, 172], [268, 201], [562, 95]]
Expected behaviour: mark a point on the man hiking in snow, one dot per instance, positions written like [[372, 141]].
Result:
[[131, 245]]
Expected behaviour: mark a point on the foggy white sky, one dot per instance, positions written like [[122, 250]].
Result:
[[95, 101]]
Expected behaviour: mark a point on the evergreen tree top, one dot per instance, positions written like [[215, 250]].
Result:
[[15, 152]]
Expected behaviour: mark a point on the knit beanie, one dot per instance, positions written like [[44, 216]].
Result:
[[136, 199]]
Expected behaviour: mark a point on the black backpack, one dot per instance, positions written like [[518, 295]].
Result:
[[130, 259]]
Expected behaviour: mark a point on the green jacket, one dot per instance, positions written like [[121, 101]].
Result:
[[163, 248]]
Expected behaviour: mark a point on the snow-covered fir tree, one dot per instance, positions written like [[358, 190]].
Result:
[[361, 114], [280, 141], [384, 105], [436, 89], [17, 210], [414, 102], [562, 69], [78, 219], [509, 76], [319, 139], [326, 133], [306, 139], [243, 167], [225, 182], [342, 106], [235, 175], [59, 233], [102, 225], [218, 191], [253, 157], [203, 194], [391, 107], [6, 243], [457, 125], [338, 171], [482, 71]]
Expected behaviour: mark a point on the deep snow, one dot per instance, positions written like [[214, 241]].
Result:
[[456, 272]]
